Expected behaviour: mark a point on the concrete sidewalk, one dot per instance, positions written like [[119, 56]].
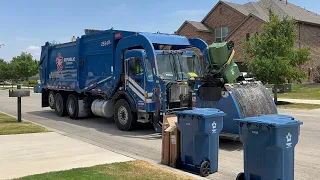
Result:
[[304, 101], [27, 154]]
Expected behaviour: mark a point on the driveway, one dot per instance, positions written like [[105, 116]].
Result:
[[27, 154]]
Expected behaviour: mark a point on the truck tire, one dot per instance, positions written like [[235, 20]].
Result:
[[125, 119], [72, 106], [51, 99], [60, 105]]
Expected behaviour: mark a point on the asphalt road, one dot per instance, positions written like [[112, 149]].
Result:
[[145, 143]]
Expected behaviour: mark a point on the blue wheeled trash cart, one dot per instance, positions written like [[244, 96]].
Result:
[[200, 130], [269, 142]]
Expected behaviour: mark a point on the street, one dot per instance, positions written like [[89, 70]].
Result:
[[145, 143]]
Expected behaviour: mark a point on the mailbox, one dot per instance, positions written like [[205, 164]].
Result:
[[19, 93]]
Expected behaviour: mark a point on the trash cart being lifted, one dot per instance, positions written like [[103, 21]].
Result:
[[200, 130], [269, 142]]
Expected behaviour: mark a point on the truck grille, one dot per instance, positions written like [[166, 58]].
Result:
[[175, 91]]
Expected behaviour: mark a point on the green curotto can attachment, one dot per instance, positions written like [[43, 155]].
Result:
[[221, 61]]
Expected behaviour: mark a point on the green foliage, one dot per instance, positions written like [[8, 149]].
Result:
[[7, 71], [25, 66], [2, 69], [33, 82], [29, 83], [271, 55]]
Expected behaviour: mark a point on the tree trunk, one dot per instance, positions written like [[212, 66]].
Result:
[[275, 87], [27, 82]]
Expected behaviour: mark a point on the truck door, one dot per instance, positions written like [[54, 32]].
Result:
[[139, 81], [135, 78]]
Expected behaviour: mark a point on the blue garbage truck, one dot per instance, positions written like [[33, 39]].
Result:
[[128, 76]]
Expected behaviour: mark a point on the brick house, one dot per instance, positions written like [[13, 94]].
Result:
[[238, 22]]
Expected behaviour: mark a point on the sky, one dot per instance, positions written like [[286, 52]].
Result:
[[25, 25]]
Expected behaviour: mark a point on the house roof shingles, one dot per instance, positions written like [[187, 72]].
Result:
[[280, 7], [198, 25]]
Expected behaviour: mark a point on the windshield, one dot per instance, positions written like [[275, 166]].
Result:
[[177, 66], [188, 64], [165, 66]]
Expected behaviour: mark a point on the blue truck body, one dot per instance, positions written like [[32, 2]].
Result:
[[92, 73]]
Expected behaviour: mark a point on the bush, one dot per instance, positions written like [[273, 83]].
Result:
[[29, 83], [33, 82], [24, 83]]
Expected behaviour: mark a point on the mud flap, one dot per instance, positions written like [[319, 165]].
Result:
[[157, 125]]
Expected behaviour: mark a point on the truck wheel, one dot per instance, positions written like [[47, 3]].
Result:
[[205, 168], [51, 98], [125, 119], [72, 106], [60, 105]]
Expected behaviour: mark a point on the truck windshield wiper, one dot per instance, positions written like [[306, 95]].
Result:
[[173, 68], [181, 67]]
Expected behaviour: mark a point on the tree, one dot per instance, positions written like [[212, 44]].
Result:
[[7, 71], [25, 66], [2, 70], [272, 57]]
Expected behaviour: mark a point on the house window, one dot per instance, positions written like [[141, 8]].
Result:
[[221, 34]]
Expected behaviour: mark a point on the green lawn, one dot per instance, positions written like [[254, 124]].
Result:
[[302, 91], [9, 125], [299, 106], [139, 170]]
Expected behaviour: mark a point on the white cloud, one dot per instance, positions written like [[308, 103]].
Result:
[[33, 48], [35, 51]]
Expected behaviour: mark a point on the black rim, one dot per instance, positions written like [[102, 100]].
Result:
[[205, 169]]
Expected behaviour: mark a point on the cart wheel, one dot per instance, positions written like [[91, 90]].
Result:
[[205, 168], [240, 176]]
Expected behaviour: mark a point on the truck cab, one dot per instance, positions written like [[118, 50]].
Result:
[[159, 87]]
